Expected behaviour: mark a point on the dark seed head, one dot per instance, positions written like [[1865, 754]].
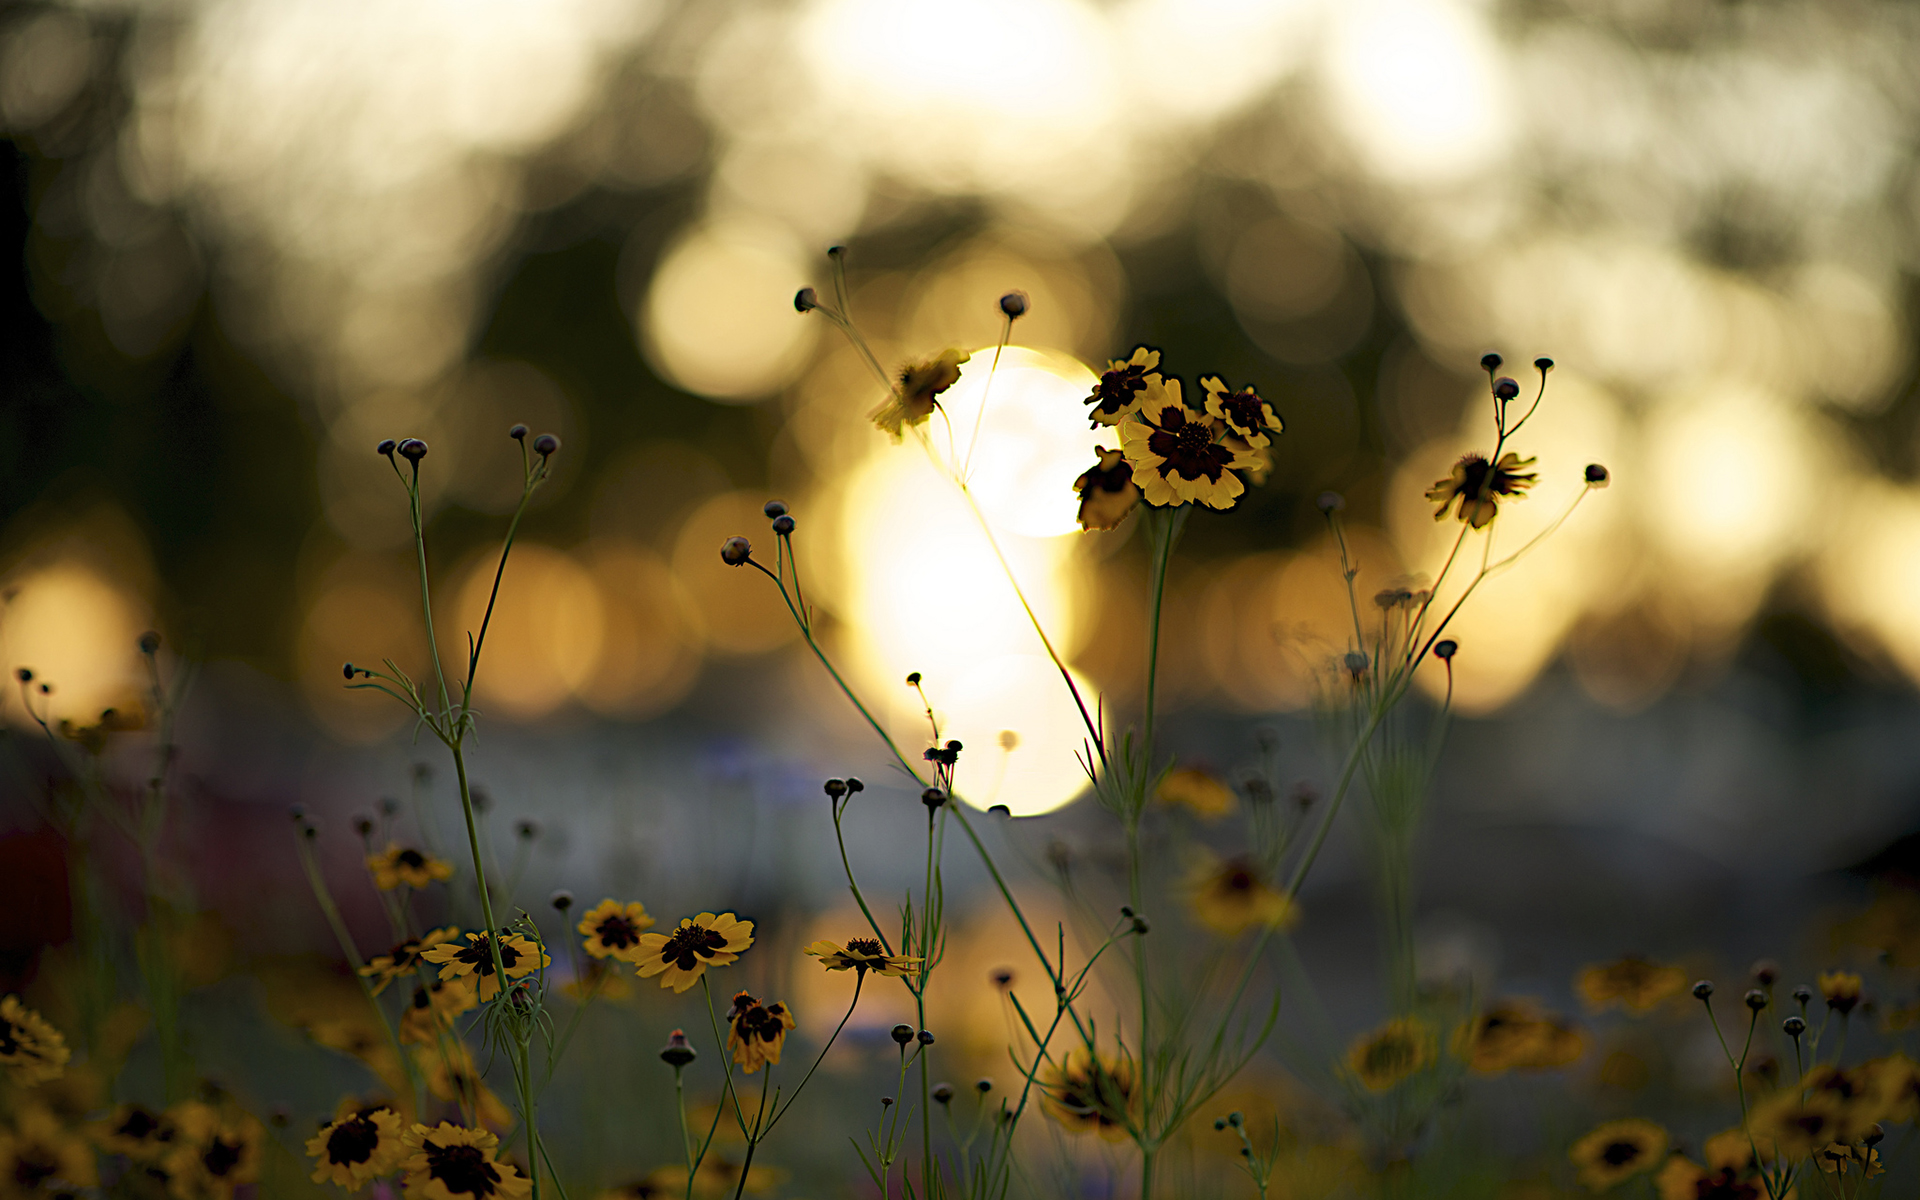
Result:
[[1014, 304], [1598, 476], [903, 1034], [933, 798], [561, 900], [1703, 989], [1793, 1027], [1219, 1123], [1140, 925], [518, 433], [783, 525], [999, 810], [854, 784], [678, 1052], [413, 450], [1445, 648], [735, 551], [886, 1102], [1236, 1119], [1756, 999], [913, 679], [1490, 362], [25, 674], [1505, 388], [806, 300], [386, 446], [1803, 993], [924, 1037], [1766, 972], [149, 643], [1002, 978], [836, 788], [774, 508], [943, 1093], [346, 670], [362, 824], [983, 1086], [545, 445], [1874, 1136], [1543, 364]]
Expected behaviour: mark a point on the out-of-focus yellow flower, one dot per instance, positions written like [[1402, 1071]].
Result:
[[39, 1156], [599, 981], [452, 1076], [431, 1012], [1121, 385], [518, 957], [1178, 454], [1517, 1035], [756, 1032], [1244, 413], [1617, 1151], [916, 393], [1841, 990], [1088, 1093], [1796, 1126], [861, 954], [397, 865], [613, 929], [1230, 897], [1388, 1056], [718, 1176], [683, 956], [1199, 791], [133, 1130], [1683, 1179], [1478, 484], [452, 1163], [404, 958], [1890, 925], [213, 1152], [1838, 1158], [31, 1049], [357, 1148], [1107, 491], [1633, 983]]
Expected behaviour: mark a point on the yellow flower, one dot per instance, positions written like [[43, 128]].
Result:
[[613, 929], [1230, 897], [1618, 1151], [1388, 1056], [31, 1050], [517, 955], [861, 954], [1199, 792], [212, 1154], [1796, 1126], [37, 1156], [452, 1076], [433, 1009], [1177, 454], [449, 1162], [1107, 491], [133, 1130], [683, 956], [1633, 983], [1841, 990], [598, 981], [756, 1032], [397, 865], [1244, 413], [915, 394], [1477, 484], [1120, 386], [357, 1148], [1837, 1158], [1684, 1179], [1516, 1035], [404, 958], [1089, 1093]]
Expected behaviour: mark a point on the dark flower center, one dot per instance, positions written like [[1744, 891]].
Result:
[[1187, 448], [352, 1142], [618, 932], [1619, 1154], [762, 1022], [1117, 388], [1111, 479], [463, 1169], [691, 943], [411, 859], [139, 1125], [28, 1170], [1244, 411], [1723, 1186], [221, 1157], [9, 1039], [1389, 1054], [1239, 881], [479, 956], [865, 948]]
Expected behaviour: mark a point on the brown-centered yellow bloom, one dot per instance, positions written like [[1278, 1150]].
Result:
[[398, 865], [1617, 1151], [452, 1076], [31, 1050], [1179, 455], [133, 1130], [1122, 384], [1683, 1179], [1244, 413], [38, 1156], [1478, 485], [213, 1152], [1107, 491], [430, 1013], [356, 1148], [1388, 1056], [599, 981], [1633, 983], [613, 929], [452, 1163], [861, 954], [756, 1032], [1232, 896], [518, 957], [1199, 791], [916, 392], [404, 958], [680, 958], [1091, 1093], [1517, 1035], [1841, 990]]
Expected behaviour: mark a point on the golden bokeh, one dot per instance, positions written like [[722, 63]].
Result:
[[545, 639], [75, 628]]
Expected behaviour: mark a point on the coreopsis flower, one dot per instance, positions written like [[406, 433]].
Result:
[[1838, 1158], [39, 1156], [1231, 897], [756, 1032], [1796, 1126], [1384, 1058], [915, 394], [518, 957], [357, 1148], [452, 1076], [1244, 413], [213, 1153], [1618, 1151], [861, 954], [1107, 491], [397, 865], [1178, 454], [1121, 385], [613, 929], [452, 1163], [1633, 983], [1089, 1093], [31, 1050], [1841, 990], [1478, 485], [433, 1008], [133, 1130], [683, 956], [404, 958], [1199, 791], [1683, 1179], [598, 979], [1516, 1035]]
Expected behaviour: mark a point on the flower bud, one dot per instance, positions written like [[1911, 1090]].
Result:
[[1236, 1119], [678, 1052], [943, 1093], [1140, 925], [774, 508], [836, 788], [1793, 1027], [518, 433], [526, 830], [1756, 999], [1490, 361], [1703, 989], [1598, 476], [999, 810], [413, 450], [1219, 1124], [913, 679], [25, 674], [1506, 388], [1766, 972], [385, 447], [362, 824], [1803, 993], [933, 798], [346, 670], [1002, 978], [902, 1034], [806, 300], [854, 785], [1356, 661], [783, 525], [1014, 304], [546, 445], [1875, 1134], [924, 1037], [149, 643], [1330, 502], [735, 551], [1543, 364], [1445, 648], [561, 900], [983, 1085], [886, 1102]]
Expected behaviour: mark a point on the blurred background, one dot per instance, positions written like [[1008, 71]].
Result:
[[247, 239]]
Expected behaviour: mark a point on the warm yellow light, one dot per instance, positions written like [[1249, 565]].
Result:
[[1034, 439], [75, 630], [718, 318], [545, 639]]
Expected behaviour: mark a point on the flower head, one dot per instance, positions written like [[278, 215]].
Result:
[[453, 1076], [1244, 413], [613, 929], [40, 1157], [213, 1153], [433, 1008], [1122, 384], [356, 1148], [1231, 896], [756, 1031], [1107, 491], [1478, 484], [1179, 456], [1388, 1056], [449, 1163], [1618, 1151], [1515, 1035], [397, 865], [518, 957], [1633, 983], [133, 1130], [404, 958], [31, 1050], [680, 958], [861, 954], [1841, 990], [915, 394], [1090, 1093], [1683, 1179], [1198, 791]]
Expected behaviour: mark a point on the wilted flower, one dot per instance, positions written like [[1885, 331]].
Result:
[[1841, 990], [1633, 983], [915, 393], [1477, 484], [1107, 491], [1121, 385], [756, 1032]]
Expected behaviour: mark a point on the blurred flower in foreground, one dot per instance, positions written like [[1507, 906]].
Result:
[[1391, 1054], [598, 979], [1617, 1151], [398, 865], [683, 956], [861, 954], [1198, 791], [431, 1013], [756, 1032], [37, 1156], [404, 958], [518, 957], [1841, 990], [1090, 1094], [613, 929], [1633, 983], [213, 1153], [1122, 384], [1516, 1035], [357, 1148], [1107, 491], [450, 1162], [453, 1076], [1230, 897], [31, 1050], [914, 396], [1477, 484]]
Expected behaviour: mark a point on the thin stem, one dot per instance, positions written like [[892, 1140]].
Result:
[[860, 977]]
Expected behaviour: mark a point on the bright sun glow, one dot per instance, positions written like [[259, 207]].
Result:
[[75, 630]]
